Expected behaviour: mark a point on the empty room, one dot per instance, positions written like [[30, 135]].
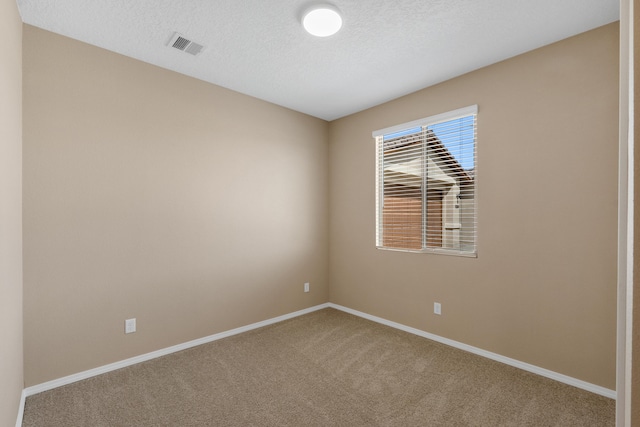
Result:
[[229, 213]]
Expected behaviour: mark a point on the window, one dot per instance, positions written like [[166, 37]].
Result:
[[426, 184]]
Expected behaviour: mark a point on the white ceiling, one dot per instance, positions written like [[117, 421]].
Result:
[[386, 48]]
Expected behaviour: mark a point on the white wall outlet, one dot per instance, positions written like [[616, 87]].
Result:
[[437, 308], [306, 287], [129, 326]]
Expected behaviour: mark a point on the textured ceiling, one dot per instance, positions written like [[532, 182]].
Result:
[[386, 48]]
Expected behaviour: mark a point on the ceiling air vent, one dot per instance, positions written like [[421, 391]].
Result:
[[182, 43]]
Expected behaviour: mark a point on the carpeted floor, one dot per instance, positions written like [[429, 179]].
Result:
[[327, 368]]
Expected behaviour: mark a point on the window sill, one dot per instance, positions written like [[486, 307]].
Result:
[[450, 252]]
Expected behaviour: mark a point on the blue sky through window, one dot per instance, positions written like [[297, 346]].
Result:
[[458, 136], [402, 133]]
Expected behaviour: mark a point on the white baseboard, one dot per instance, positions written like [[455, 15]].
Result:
[[489, 355], [39, 388], [23, 397]]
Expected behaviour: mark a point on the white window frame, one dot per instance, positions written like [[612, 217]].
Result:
[[423, 123]]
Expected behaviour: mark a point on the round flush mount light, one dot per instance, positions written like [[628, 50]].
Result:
[[322, 20]]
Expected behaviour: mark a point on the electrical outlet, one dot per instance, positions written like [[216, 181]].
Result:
[[306, 287], [437, 308], [129, 326]]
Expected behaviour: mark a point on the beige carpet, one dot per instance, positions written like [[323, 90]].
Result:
[[327, 368]]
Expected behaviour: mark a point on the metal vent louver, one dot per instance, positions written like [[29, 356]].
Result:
[[180, 42]]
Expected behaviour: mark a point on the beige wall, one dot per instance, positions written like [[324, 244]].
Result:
[[11, 365], [543, 288], [153, 195]]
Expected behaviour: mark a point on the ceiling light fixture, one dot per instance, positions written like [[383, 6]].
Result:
[[322, 20]]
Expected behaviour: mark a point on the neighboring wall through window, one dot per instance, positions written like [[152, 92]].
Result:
[[426, 184]]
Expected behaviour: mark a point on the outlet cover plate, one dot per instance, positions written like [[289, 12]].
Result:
[[129, 326]]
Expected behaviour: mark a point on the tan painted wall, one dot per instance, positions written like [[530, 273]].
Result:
[[152, 195], [543, 288], [11, 364]]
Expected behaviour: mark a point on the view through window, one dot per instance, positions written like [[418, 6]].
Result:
[[426, 184]]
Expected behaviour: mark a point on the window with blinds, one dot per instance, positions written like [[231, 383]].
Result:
[[426, 184]]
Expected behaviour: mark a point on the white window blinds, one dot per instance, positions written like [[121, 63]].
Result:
[[426, 184]]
